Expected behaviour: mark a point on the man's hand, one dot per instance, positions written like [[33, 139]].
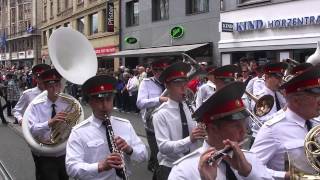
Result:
[[163, 99], [112, 161], [20, 122], [207, 172], [59, 117], [123, 145], [197, 133], [238, 161]]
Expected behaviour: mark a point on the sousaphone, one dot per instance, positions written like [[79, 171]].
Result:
[[74, 58]]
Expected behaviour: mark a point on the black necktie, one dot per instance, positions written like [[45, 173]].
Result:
[[309, 125], [53, 113], [229, 173], [277, 101], [185, 129]]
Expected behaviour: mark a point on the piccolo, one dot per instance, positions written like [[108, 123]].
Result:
[[219, 154]]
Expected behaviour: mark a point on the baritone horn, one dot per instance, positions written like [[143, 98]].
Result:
[[263, 105], [74, 58]]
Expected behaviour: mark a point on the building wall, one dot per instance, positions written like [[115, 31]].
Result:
[[78, 9], [199, 28], [231, 5]]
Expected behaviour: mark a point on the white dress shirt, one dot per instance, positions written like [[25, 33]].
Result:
[[25, 99], [132, 85], [186, 168], [168, 131], [267, 91], [283, 133], [204, 92], [88, 144], [38, 113], [148, 95]]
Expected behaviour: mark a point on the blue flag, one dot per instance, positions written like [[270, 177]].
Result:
[[3, 41]]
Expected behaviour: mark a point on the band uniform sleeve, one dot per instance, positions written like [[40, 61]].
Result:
[[199, 97], [140, 152], [143, 99], [75, 165], [265, 144], [37, 128], [165, 145], [177, 173], [20, 107], [258, 171]]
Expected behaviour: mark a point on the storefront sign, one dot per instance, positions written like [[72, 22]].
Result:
[[177, 32], [272, 24], [22, 55], [227, 27], [110, 17], [14, 55], [2, 56], [105, 50], [131, 40], [29, 54]]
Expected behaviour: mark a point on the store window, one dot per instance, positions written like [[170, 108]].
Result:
[[93, 23], [132, 13], [197, 6], [160, 10], [80, 25]]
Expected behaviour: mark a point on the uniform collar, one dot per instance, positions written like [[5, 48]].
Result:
[[268, 91], [211, 84], [292, 116], [95, 121], [173, 103]]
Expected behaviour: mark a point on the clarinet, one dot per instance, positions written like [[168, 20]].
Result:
[[114, 149]]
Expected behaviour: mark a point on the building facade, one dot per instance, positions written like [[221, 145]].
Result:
[[269, 30], [90, 17], [20, 36], [157, 28]]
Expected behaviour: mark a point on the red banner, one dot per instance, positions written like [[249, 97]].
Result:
[[105, 50]]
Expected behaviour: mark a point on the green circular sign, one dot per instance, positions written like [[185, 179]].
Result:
[[177, 32], [131, 40]]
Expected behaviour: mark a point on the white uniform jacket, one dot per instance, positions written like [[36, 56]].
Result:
[[285, 132], [168, 131], [88, 144], [148, 95], [204, 92], [186, 168], [25, 99]]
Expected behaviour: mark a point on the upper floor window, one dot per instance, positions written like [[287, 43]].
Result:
[[44, 36], [51, 9], [132, 10], [45, 13], [197, 6], [160, 10], [80, 25], [93, 23]]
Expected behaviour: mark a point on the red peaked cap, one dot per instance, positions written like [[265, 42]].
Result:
[[39, 68], [226, 103], [175, 72], [275, 68], [50, 76], [99, 85], [227, 71]]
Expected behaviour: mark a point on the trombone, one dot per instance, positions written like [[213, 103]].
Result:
[[262, 107]]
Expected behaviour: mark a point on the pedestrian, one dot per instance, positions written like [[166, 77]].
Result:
[[13, 94]]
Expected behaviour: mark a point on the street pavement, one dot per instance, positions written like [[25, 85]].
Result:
[[16, 156]]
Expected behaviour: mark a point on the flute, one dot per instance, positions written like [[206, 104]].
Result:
[[219, 154]]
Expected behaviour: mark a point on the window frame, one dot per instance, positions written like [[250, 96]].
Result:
[[189, 8], [91, 23], [78, 20], [156, 15], [131, 16], [251, 2]]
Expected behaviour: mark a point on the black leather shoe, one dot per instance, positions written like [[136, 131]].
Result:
[[5, 122]]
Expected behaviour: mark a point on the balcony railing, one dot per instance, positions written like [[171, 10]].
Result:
[[23, 33]]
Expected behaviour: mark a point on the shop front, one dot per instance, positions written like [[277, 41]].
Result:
[[270, 33]]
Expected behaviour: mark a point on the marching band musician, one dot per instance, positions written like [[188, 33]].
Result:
[[273, 78], [220, 77], [149, 97], [42, 114], [175, 132], [89, 147], [224, 115], [256, 84], [29, 94], [286, 131]]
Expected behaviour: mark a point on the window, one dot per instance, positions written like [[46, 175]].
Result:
[[58, 6], [51, 9], [50, 32], [66, 4], [44, 36], [197, 6], [13, 15], [67, 24], [93, 23], [80, 25], [160, 10], [132, 16], [245, 2], [45, 13], [13, 29]]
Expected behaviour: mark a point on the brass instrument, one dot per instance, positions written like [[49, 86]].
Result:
[[60, 131], [114, 149], [263, 104]]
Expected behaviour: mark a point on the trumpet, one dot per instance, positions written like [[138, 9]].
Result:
[[112, 143], [263, 104], [219, 154]]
